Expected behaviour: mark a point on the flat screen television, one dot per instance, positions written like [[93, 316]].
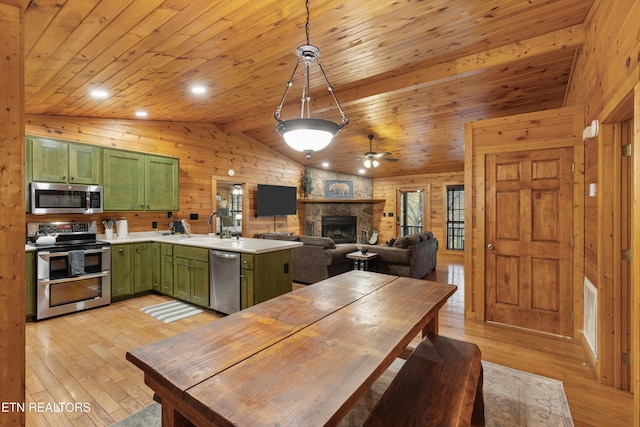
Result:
[[275, 200]]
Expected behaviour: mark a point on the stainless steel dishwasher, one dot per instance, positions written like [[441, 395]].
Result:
[[225, 281]]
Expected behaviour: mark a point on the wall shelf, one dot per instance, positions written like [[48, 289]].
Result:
[[341, 200]]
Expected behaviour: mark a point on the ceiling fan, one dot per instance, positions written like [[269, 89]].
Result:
[[371, 157]]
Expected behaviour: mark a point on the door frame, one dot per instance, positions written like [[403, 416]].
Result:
[[614, 294], [531, 131], [426, 205]]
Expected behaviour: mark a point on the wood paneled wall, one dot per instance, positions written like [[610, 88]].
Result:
[[605, 81], [206, 155], [12, 256], [610, 57], [435, 186], [591, 212]]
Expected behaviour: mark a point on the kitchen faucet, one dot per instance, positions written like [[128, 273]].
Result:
[[210, 221]]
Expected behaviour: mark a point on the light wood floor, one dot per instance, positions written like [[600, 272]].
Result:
[[80, 358]]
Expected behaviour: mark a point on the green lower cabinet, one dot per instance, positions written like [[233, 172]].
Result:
[[200, 282], [191, 274], [182, 278], [120, 270], [131, 269], [30, 285], [166, 269], [142, 264], [156, 259], [264, 276]]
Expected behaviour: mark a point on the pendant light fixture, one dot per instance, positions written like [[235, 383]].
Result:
[[307, 134]]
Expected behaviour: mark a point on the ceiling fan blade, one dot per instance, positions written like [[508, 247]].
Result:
[[380, 155], [390, 159]]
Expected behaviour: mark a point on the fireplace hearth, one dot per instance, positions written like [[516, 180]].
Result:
[[341, 229]]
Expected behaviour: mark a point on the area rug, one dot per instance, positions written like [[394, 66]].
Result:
[[171, 311], [511, 397]]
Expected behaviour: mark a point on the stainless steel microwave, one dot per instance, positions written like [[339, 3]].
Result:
[[53, 198]]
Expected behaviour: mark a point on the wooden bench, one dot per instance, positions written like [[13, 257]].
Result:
[[440, 384]]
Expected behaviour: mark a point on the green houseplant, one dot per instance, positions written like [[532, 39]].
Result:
[[306, 182]]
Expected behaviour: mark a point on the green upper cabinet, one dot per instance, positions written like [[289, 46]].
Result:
[[161, 178], [123, 180], [134, 181], [65, 162]]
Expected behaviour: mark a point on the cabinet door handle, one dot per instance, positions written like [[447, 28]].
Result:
[[121, 251]]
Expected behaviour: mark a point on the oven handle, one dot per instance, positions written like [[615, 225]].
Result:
[[45, 254], [73, 279]]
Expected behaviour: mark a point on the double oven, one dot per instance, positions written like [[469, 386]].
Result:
[[74, 272]]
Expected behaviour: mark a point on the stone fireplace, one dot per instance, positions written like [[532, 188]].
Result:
[[341, 228]]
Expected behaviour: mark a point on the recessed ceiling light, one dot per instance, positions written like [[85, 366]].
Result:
[[99, 93], [325, 164], [141, 113], [198, 89], [361, 171]]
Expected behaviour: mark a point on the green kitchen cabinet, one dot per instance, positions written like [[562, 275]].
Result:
[[264, 276], [191, 274], [142, 265], [121, 274], [161, 183], [30, 285], [156, 260], [135, 181], [166, 269], [131, 269], [123, 182], [65, 162]]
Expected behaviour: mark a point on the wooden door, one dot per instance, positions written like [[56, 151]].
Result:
[[528, 252]]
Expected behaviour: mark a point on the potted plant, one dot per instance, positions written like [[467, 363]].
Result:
[[306, 181]]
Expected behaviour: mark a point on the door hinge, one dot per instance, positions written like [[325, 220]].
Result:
[[626, 255], [626, 150], [626, 359], [573, 167]]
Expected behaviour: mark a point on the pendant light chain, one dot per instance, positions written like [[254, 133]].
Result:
[[306, 27]]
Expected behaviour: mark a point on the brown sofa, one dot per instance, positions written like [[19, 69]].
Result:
[[318, 258], [410, 256]]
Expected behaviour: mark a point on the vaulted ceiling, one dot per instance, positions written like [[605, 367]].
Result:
[[409, 72]]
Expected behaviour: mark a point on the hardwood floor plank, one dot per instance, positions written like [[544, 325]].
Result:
[[82, 356]]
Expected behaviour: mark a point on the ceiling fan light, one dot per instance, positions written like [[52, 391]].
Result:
[[375, 163], [307, 134], [367, 163]]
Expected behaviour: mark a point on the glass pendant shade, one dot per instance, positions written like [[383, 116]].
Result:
[[368, 163], [307, 134]]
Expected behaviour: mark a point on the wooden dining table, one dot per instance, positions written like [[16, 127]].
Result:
[[302, 358]]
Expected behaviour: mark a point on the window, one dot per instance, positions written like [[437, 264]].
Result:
[[455, 217], [236, 209], [411, 212]]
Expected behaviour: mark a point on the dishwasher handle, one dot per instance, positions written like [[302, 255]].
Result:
[[227, 255]]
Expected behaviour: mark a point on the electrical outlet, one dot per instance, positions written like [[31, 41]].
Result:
[[154, 224], [193, 216], [390, 214], [169, 214]]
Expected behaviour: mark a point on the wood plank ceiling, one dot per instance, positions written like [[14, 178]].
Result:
[[409, 72]]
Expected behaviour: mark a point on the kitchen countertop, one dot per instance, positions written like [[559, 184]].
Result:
[[243, 245]]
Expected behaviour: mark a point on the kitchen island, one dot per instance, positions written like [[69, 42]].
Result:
[[183, 267]]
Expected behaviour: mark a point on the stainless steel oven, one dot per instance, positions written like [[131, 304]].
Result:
[[74, 273]]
